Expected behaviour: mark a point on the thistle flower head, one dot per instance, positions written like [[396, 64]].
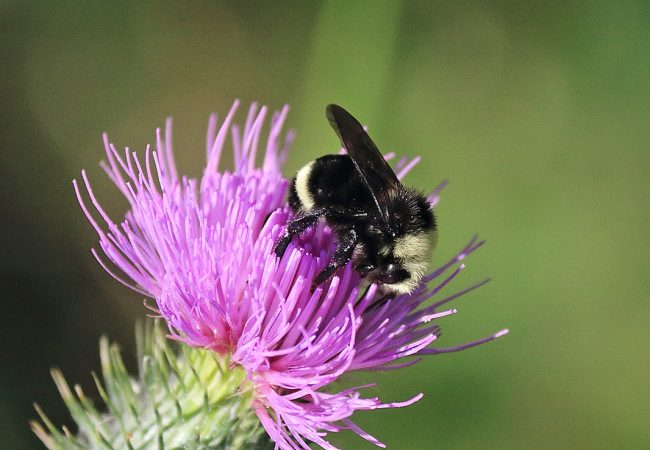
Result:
[[202, 249]]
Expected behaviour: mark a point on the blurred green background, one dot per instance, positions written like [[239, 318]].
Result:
[[538, 113]]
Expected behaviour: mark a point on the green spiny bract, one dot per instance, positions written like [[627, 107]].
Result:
[[183, 398]]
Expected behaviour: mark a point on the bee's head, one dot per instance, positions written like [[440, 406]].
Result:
[[400, 277], [395, 251], [408, 242]]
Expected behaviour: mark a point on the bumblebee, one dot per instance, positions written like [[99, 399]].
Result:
[[387, 230]]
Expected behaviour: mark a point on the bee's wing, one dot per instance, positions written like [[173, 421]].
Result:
[[373, 169]]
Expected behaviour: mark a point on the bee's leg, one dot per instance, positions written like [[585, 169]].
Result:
[[364, 269], [295, 227], [342, 256]]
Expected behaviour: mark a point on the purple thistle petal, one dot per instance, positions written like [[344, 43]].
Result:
[[434, 197], [202, 249]]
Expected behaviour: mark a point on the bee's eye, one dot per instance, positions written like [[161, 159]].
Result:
[[392, 274]]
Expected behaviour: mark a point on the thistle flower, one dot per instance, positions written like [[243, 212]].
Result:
[[202, 249]]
